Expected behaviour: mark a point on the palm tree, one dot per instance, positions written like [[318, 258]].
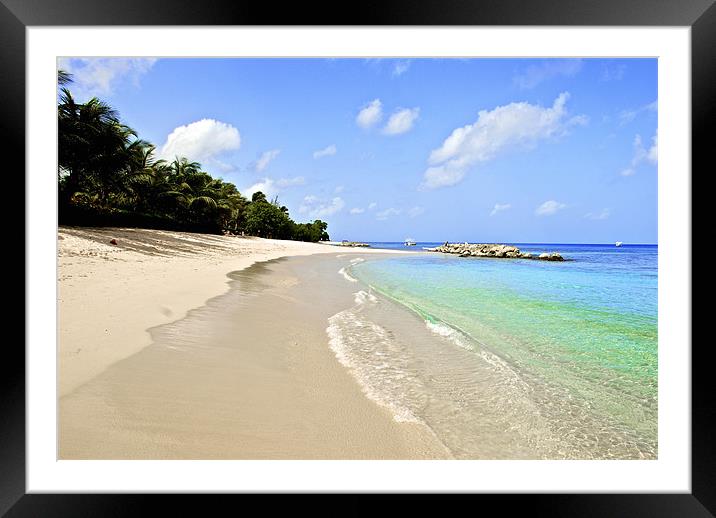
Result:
[[109, 172], [181, 167], [63, 77], [89, 136]]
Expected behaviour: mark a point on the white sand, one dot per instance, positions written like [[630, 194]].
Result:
[[109, 295], [279, 394]]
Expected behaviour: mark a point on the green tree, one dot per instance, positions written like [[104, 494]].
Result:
[[258, 196], [264, 219], [313, 232], [92, 146], [106, 171]]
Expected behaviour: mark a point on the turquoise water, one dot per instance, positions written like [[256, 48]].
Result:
[[582, 333]]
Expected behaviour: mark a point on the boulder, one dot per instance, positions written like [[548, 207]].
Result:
[[491, 250]]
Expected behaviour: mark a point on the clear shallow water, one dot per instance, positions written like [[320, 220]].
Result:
[[569, 349]]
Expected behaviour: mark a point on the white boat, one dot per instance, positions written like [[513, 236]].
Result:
[[409, 242], [618, 243]]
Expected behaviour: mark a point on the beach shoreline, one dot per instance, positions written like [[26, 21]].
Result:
[[150, 278], [135, 396]]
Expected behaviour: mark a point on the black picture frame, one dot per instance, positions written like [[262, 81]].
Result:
[[700, 15]]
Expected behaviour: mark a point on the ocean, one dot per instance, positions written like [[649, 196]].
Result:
[[511, 358]]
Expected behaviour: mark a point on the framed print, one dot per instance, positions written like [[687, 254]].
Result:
[[481, 215]]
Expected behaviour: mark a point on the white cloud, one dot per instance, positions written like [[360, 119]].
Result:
[[370, 114], [271, 187], [442, 176], [318, 208], [385, 214], [400, 68], [283, 183], [339, 189], [626, 116], [642, 154], [652, 155], [265, 159], [549, 207], [200, 140], [266, 186], [613, 72], [361, 210], [414, 212], [603, 214], [499, 207], [515, 125], [101, 76], [327, 151], [533, 75], [401, 121]]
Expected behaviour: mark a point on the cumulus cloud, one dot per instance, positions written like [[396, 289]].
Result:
[[401, 121], [327, 151], [535, 74], [499, 207], [266, 186], [201, 140], [265, 159], [549, 207], [97, 77], [318, 208], [400, 68], [370, 114], [516, 125], [602, 214], [271, 187], [387, 213], [642, 154], [372, 205]]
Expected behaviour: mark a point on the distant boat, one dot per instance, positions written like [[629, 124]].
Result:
[[618, 243], [409, 242]]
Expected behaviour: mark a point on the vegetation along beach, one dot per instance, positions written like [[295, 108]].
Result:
[[235, 280]]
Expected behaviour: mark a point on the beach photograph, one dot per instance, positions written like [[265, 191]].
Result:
[[357, 258]]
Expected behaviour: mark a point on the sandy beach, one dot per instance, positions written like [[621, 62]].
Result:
[[147, 370]]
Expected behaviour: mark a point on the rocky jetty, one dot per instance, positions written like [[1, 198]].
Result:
[[492, 250], [353, 243]]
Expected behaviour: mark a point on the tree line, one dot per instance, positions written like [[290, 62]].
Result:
[[108, 176]]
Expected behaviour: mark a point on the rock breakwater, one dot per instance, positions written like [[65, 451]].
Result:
[[493, 250]]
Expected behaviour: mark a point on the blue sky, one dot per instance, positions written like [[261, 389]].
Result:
[[497, 150]]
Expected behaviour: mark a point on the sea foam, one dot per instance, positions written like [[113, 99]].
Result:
[[449, 333], [366, 349], [361, 297], [346, 275]]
